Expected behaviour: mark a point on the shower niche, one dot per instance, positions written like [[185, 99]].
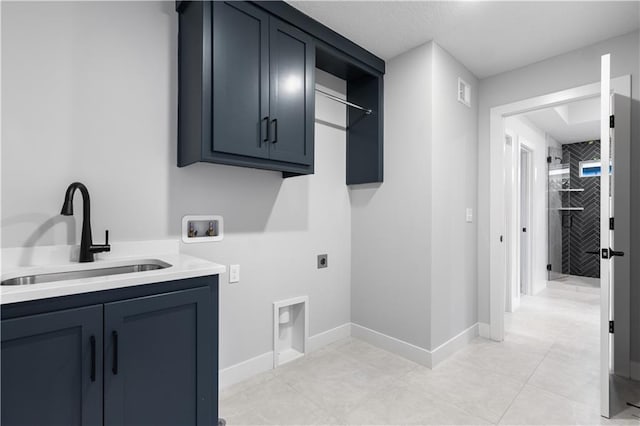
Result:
[[290, 330]]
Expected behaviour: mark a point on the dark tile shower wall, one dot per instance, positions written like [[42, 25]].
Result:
[[581, 229]]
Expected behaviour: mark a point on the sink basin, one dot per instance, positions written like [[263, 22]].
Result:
[[149, 265]]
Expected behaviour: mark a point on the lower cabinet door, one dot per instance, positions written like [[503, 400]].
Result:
[[158, 367], [52, 368]]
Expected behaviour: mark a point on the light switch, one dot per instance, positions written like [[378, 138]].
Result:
[[234, 273], [469, 215]]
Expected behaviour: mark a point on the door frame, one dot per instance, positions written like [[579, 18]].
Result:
[[511, 237], [497, 254], [530, 202], [513, 233]]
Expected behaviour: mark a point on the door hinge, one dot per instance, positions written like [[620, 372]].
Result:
[[611, 223], [611, 327], [548, 267], [549, 159], [612, 121]]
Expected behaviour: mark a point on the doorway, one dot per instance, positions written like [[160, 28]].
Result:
[[500, 211], [573, 176], [519, 203]]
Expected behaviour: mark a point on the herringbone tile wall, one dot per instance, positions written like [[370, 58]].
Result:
[[581, 229]]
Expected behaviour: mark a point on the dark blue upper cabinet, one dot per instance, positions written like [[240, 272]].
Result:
[[292, 108], [52, 368], [250, 85], [246, 88], [240, 80]]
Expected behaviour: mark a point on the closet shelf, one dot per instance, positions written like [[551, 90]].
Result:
[[569, 190], [577, 209]]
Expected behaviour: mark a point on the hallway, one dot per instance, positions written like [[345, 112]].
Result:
[[545, 372]]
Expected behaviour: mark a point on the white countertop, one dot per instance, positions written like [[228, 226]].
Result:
[[182, 266]]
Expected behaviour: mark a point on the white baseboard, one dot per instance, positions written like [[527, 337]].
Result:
[[454, 344], [391, 344], [245, 369], [415, 353], [325, 338], [634, 370], [484, 330], [261, 363]]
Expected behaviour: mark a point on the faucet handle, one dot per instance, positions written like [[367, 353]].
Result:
[[99, 248]]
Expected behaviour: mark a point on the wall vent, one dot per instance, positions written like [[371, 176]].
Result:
[[464, 92]]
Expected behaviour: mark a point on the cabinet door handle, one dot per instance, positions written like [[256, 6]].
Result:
[[114, 367], [92, 340], [266, 137], [275, 131]]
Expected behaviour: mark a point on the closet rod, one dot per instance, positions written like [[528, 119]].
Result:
[[342, 101]]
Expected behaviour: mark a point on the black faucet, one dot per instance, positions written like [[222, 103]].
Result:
[[87, 248]]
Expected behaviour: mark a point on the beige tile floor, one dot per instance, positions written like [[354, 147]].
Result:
[[545, 372]]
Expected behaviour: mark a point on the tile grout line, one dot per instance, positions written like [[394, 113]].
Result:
[[314, 403], [391, 382], [527, 381]]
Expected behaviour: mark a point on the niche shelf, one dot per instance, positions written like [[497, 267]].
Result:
[[290, 330]]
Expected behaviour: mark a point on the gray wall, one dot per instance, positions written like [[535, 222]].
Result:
[[89, 94], [454, 171], [572, 69], [413, 254], [391, 222]]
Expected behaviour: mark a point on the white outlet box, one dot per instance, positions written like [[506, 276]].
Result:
[[234, 273]]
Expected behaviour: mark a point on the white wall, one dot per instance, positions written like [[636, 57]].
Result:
[[89, 94], [566, 71], [391, 222], [454, 166], [532, 137]]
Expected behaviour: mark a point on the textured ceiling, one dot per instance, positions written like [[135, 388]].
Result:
[[488, 37]]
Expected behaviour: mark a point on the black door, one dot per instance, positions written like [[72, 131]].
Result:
[[52, 368], [240, 79], [158, 360], [292, 62]]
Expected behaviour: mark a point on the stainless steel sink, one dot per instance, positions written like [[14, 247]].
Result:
[[86, 273]]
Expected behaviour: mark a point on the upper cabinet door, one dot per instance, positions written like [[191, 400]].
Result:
[[240, 79], [292, 101], [52, 368]]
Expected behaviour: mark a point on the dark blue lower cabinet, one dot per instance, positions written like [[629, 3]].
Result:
[[158, 356], [52, 368], [144, 360]]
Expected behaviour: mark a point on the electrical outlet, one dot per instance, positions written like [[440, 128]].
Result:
[[234, 273], [323, 261], [469, 215]]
